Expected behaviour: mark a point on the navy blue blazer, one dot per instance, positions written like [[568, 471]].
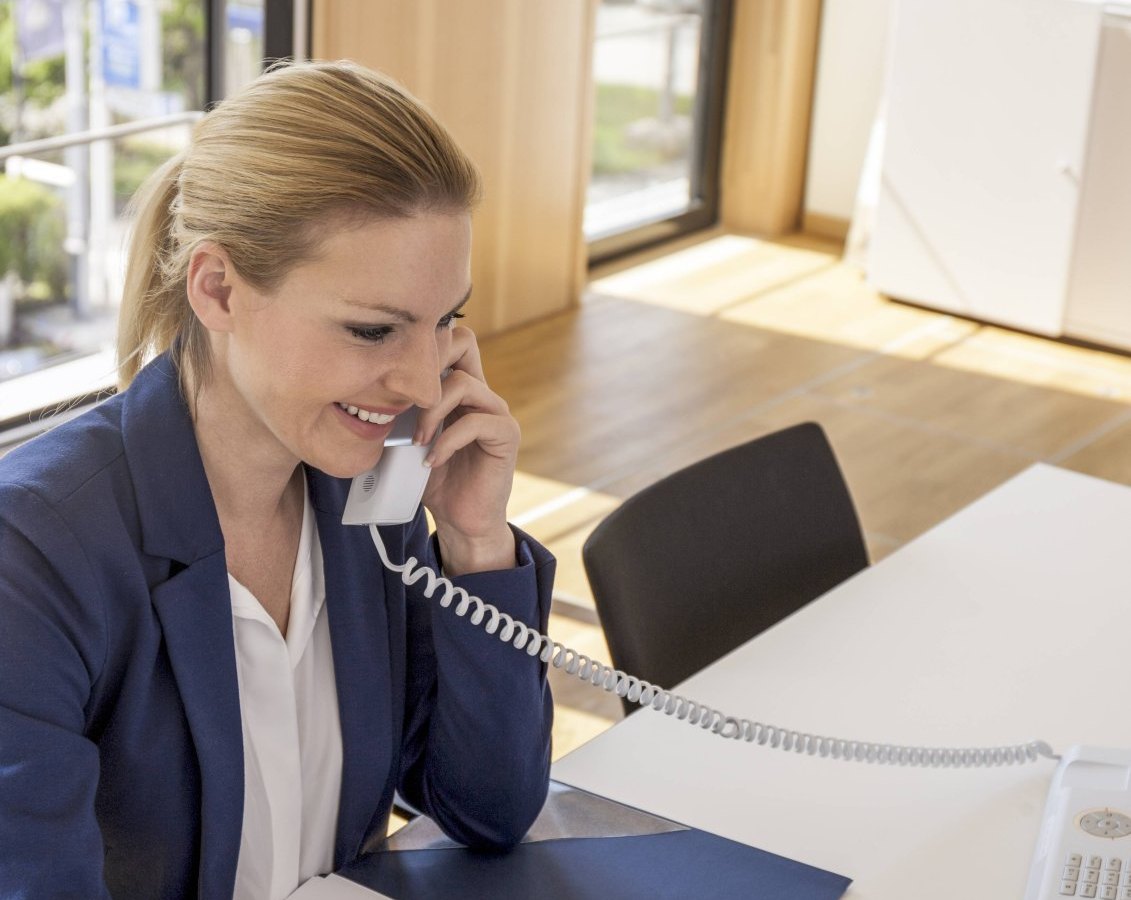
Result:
[[121, 747]]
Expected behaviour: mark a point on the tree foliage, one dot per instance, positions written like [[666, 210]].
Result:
[[31, 234]]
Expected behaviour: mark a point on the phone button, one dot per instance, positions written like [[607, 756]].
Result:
[[1106, 823]]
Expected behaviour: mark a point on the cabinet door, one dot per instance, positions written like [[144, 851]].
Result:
[[1099, 304], [987, 117]]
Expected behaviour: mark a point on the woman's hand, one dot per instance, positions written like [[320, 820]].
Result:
[[473, 462]]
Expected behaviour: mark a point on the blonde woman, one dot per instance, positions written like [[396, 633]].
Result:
[[208, 685]]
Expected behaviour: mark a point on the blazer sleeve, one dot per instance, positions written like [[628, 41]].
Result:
[[52, 642], [476, 752]]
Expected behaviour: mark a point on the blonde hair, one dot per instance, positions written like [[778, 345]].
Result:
[[300, 146]]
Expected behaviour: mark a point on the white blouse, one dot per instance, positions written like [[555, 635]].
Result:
[[292, 741]]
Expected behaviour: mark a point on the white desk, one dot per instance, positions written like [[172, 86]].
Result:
[[1010, 621]]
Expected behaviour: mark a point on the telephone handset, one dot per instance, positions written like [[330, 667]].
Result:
[[390, 492]]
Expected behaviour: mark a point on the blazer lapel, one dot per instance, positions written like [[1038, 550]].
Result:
[[359, 635], [179, 523], [194, 607]]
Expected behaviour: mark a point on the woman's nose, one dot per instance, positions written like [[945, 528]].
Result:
[[417, 375]]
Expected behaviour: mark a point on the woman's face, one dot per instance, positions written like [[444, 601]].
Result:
[[365, 327]]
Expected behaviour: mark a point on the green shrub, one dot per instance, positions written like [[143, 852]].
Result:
[[32, 229], [134, 161], [618, 106]]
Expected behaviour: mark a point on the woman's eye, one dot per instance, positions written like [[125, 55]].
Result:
[[449, 320], [373, 333]]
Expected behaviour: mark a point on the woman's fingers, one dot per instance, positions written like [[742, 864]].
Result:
[[474, 458], [464, 392], [464, 353], [496, 436]]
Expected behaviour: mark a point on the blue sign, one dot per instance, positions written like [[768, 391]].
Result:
[[121, 43], [246, 17]]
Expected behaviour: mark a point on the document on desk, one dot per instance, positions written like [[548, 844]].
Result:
[[334, 887], [584, 846]]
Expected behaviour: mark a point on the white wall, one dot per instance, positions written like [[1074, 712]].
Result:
[[851, 60]]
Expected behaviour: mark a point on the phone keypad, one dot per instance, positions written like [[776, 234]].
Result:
[[1095, 876]]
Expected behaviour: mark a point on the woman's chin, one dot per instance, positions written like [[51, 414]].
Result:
[[342, 468]]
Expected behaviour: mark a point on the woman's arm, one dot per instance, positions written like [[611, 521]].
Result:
[[51, 645], [477, 733], [476, 753]]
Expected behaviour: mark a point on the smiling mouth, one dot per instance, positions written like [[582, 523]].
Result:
[[365, 415]]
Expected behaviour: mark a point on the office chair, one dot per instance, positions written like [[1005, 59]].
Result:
[[694, 565]]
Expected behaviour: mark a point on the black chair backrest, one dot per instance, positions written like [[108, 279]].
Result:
[[699, 562]]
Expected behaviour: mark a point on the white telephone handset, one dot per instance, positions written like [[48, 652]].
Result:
[[390, 492]]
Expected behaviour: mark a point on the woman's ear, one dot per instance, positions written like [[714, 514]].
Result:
[[209, 286]]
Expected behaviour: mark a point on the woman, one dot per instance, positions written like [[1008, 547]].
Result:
[[208, 685]]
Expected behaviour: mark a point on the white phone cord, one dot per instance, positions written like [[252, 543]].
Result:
[[523, 637]]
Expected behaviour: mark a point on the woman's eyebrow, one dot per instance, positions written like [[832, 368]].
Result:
[[455, 309], [396, 312]]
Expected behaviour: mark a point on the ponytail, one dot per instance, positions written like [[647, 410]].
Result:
[[154, 307]]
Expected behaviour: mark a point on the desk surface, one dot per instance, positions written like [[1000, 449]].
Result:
[[1010, 621]]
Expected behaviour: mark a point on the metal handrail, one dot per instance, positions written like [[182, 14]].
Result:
[[662, 22], [29, 148]]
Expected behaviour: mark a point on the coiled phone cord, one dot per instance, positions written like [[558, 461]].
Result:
[[534, 643]]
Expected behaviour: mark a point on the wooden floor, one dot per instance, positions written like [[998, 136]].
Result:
[[698, 350]]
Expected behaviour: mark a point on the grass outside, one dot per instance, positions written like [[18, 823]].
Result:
[[618, 106]]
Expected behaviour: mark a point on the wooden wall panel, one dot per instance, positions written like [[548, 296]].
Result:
[[512, 80], [769, 96]]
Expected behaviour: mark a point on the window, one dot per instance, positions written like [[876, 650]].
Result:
[[94, 95], [659, 67]]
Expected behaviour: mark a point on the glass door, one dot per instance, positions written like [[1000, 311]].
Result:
[[94, 95], [659, 70]]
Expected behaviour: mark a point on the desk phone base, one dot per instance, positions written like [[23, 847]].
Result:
[[1084, 849]]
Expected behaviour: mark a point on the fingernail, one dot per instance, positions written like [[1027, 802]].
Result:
[[428, 460]]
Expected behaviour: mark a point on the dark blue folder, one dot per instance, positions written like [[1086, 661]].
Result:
[[679, 864]]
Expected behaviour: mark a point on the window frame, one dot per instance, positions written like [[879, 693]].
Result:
[[710, 105]]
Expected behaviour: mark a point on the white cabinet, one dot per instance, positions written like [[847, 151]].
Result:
[[1007, 136], [1099, 287]]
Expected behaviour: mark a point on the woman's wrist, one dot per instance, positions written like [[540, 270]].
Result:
[[464, 555]]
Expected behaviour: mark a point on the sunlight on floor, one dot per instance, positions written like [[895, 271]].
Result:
[[838, 306], [548, 508], [813, 294], [709, 277], [573, 727], [1033, 360], [560, 516]]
